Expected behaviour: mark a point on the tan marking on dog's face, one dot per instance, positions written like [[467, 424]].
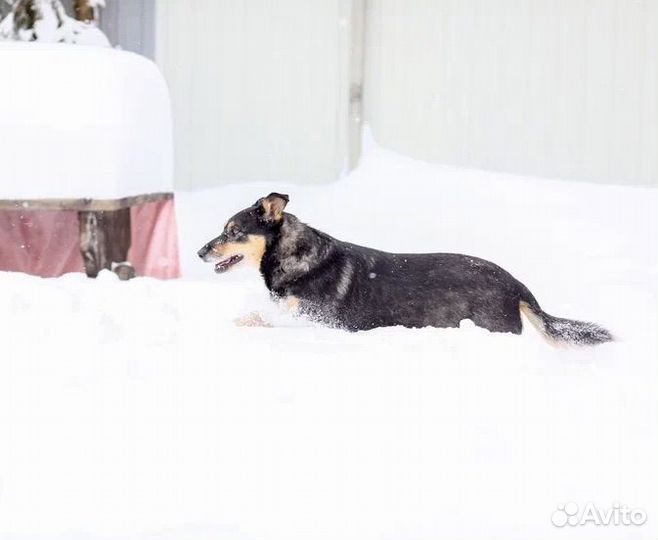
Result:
[[252, 250]]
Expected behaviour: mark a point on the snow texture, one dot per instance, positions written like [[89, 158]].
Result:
[[139, 410], [82, 122], [53, 25]]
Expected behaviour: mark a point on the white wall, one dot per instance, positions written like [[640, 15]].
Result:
[[558, 88], [260, 89]]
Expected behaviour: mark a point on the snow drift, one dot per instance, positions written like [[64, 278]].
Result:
[[137, 409]]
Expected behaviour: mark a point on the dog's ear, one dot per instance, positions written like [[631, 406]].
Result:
[[272, 206]]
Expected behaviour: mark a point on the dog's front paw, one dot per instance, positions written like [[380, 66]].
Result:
[[252, 319]]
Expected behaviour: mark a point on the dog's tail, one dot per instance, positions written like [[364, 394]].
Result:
[[562, 331]]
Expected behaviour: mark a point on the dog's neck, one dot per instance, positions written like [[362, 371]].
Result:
[[292, 252]]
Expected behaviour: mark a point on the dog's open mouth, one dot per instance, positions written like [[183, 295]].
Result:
[[225, 264]]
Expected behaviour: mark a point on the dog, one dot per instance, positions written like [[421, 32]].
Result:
[[357, 288]]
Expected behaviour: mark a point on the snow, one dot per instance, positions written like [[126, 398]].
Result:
[[53, 25], [82, 122], [138, 409]]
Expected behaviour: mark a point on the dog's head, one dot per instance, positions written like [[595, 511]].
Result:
[[245, 235]]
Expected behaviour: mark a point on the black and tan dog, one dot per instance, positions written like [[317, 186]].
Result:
[[358, 288]]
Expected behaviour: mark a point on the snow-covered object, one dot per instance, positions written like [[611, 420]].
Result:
[[53, 25], [47, 243], [82, 122]]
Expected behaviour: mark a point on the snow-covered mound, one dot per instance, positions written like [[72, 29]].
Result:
[[137, 409], [82, 122]]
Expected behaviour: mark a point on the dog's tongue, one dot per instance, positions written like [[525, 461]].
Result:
[[221, 267]]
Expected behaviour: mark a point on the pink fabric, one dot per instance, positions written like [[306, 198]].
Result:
[[40, 242], [154, 241], [47, 242]]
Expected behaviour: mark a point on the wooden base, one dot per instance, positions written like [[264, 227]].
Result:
[[44, 236], [104, 238]]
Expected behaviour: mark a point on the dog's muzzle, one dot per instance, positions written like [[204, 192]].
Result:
[[222, 262], [204, 251]]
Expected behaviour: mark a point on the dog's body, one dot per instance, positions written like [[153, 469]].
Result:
[[358, 288]]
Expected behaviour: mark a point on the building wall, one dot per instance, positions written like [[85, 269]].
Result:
[[260, 90], [130, 24], [556, 88]]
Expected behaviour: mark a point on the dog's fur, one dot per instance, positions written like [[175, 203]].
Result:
[[358, 288]]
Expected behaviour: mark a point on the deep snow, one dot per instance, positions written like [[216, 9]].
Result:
[[137, 409]]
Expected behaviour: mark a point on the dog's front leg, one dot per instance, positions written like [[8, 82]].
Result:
[[291, 304], [252, 319]]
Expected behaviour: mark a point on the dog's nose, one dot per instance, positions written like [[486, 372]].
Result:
[[203, 251]]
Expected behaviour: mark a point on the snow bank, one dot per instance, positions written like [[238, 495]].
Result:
[[82, 122], [137, 409]]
